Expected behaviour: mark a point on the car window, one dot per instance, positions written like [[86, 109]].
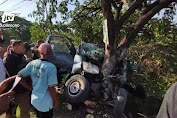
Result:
[[92, 50], [59, 45]]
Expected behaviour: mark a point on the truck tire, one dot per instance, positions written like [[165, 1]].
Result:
[[77, 89]]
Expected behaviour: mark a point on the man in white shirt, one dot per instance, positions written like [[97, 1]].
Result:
[[2, 69], [168, 108]]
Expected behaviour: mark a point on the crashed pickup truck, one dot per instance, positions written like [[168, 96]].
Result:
[[84, 80]]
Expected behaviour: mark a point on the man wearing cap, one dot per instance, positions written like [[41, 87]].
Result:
[[44, 77]]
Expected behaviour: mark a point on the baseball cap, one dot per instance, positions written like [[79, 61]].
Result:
[[45, 48]]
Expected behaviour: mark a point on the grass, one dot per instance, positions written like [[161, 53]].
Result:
[[32, 113]]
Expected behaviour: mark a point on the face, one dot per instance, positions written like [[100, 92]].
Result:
[[20, 49]]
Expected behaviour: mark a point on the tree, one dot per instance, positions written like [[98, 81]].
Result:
[[89, 31], [116, 15], [37, 33], [116, 21]]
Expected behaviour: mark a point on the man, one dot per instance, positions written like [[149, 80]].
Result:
[[35, 49], [28, 54], [38, 43], [2, 69], [168, 108], [44, 77], [14, 61]]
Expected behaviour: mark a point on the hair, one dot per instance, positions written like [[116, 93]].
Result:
[[39, 42], [16, 42], [27, 46], [1, 40]]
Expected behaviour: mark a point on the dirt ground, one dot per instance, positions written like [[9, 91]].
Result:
[[100, 111]]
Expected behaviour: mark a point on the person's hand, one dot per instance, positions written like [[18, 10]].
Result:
[[29, 59], [5, 101]]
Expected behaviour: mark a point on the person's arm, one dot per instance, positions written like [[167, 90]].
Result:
[[5, 83], [55, 97], [25, 84], [24, 73], [52, 82], [7, 94]]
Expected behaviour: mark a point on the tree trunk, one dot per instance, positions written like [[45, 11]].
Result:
[[114, 54], [109, 51]]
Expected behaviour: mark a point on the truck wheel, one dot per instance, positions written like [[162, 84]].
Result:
[[77, 89]]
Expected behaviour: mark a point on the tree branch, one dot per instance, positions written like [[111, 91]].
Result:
[[119, 23], [92, 10], [130, 11], [147, 8], [114, 4], [84, 7], [117, 28], [142, 21], [118, 10]]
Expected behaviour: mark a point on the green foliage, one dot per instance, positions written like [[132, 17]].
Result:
[[158, 30], [75, 24], [158, 63], [37, 33]]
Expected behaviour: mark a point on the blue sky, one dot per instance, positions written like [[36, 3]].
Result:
[[25, 7]]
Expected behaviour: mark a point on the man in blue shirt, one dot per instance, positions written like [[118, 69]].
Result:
[[44, 77]]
